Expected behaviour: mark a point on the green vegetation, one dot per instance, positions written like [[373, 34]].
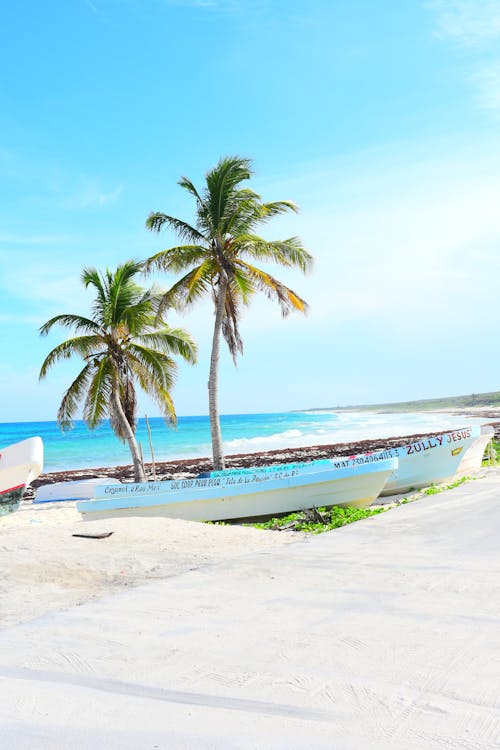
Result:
[[435, 489], [318, 520], [496, 448], [492, 454], [215, 261], [124, 343], [459, 402]]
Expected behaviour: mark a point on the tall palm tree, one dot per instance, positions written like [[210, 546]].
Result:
[[123, 343], [218, 256]]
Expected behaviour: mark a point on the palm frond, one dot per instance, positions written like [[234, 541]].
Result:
[[222, 182], [156, 374], [122, 292], [230, 330], [72, 398], [243, 212], [78, 322], [289, 253], [98, 400], [191, 287], [287, 299], [140, 315], [157, 220], [186, 183], [83, 346], [171, 341], [92, 277], [155, 370], [176, 259], [241, 284], [274, 208]]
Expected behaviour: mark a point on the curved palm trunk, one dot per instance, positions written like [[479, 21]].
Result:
[[139, 474], [213, 394]]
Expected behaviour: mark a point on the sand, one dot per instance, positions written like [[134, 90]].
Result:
[[46, 569], [382, 634]]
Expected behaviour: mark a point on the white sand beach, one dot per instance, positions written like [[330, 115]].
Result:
[[49, 569], [384, 633]]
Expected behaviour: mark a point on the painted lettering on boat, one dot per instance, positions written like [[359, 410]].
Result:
[[365, 458], [273, 468], [421, 446], [434, 442], [151, 488]]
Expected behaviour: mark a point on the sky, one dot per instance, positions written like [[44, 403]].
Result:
[[381, 120]]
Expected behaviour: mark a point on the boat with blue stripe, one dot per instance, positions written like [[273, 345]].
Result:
[[282, 489]]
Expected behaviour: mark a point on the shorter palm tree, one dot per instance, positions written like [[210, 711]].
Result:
[[123, 344]]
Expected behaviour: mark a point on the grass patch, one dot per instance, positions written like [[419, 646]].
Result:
[[492, 454], [435, 490], [496, 448], [318, 520]]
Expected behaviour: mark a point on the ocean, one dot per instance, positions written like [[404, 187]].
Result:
[[242, 433]]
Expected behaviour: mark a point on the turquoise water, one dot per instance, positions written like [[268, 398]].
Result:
[[242, 433]]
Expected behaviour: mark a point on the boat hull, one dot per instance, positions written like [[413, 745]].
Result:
[[80, 489], [19, 465], [238, 497], [473, 456], [430, 460]]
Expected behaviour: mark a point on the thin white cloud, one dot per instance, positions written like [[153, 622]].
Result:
[[468, 22], [398, 233], [474, 25], [90, 193], [19, 319], [16, 380], [221, 6], [46, 290], [487, 83], [20, 238]]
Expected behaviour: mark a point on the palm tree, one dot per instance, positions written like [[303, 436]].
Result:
[[218, 256], [123, 343]]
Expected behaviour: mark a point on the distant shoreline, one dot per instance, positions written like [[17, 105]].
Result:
[[488, 412], [475, 404]]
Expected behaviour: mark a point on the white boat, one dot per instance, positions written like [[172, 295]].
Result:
[[242, 496], [20, 463], [432, 459], [78, 489], [473, 456]]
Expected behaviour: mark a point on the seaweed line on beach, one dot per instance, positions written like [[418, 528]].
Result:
[[191, 467]]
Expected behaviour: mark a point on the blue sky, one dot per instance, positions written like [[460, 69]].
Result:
[[381, 120]]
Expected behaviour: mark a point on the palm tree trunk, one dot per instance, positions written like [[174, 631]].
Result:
[[139, 473], [213, 392]]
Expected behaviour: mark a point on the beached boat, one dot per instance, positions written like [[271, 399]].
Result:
[[473, 456], [431, 459], [20, 463], [78, 489], [435, 459], [247, 495]]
